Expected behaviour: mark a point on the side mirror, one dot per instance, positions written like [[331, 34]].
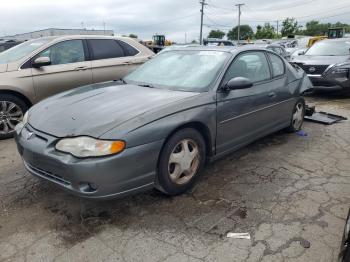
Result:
[[41, 61], [238, 83]]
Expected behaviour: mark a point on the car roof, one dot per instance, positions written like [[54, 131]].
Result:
[[228, 49], [68, 37], [338, 40]]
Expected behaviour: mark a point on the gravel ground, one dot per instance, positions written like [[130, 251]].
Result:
[[291, 193]]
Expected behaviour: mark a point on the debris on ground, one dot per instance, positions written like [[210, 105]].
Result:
[[304, 243], [238, 235], [302, 133], [325, 118]]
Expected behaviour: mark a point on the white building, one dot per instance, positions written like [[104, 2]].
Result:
[[56, 32]]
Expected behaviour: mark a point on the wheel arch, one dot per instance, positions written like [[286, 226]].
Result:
[[201, 128], [17, 94]]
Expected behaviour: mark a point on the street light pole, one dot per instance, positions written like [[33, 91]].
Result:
[[239, 23]]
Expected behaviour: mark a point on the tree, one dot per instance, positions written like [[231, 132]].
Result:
[[133, 36], [246, 32], [289, 27], [216, 34], [267, 31], [314, 28]]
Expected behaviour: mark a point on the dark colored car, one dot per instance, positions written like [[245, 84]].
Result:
[[327, 63], [278, 49], [159, 126], [345, 245]]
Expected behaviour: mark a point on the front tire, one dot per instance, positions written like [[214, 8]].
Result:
[[12, 110], [298, 115], [181, 160]]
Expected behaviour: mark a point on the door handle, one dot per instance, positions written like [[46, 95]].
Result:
[[81, 68], [272, 95]]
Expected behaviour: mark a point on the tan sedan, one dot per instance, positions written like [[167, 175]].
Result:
[[43, 67]]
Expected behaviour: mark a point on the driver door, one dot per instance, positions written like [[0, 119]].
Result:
[[244, 115], [68, 69]]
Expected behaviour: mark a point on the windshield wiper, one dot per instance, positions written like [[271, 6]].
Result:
[[146, 85]]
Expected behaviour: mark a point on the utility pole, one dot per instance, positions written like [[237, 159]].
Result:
[[202, 2], [239, 23], [277, 27]]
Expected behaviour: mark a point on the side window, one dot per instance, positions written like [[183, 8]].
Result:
[[277, 65], [128, 49], [66, 52], [251, 65], [105, 49]]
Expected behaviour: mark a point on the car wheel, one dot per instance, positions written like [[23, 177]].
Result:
[[12, 110], [297, 116], [345, 246], [181, 159]]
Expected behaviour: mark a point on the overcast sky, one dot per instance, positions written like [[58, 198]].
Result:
[[174, 18]]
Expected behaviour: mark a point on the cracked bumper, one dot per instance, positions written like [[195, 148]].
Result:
[[129, 172]]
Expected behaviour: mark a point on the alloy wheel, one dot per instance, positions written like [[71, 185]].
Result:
[[184, 161], [10, 115], [298, 116]]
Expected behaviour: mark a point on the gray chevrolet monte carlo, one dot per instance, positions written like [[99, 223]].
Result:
[[159, 125]]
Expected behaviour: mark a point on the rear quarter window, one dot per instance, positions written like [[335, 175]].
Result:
[[105, 49], [128, 49]]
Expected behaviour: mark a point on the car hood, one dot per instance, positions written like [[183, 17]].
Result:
[[3, 68], [95, 109], [320, 60]]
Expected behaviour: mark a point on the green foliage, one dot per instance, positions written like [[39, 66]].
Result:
[[216, 34], [265, 32], [246, 32], [289, 27], [133, 36]]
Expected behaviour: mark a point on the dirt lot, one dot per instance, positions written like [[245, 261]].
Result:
[[291, 193]]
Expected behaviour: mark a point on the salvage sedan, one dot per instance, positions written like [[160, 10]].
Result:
[[158, 126]]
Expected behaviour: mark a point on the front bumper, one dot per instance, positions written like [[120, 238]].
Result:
[[322, 83], [129, 172]]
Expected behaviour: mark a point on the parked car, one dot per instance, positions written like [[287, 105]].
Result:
[[39, 68], [4, 45], [217, 42], [159, 125], [327, 64], [344, 255], [278, 49]]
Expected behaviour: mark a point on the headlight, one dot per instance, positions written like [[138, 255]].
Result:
[[340, 71], [25, 118], [89, 147]]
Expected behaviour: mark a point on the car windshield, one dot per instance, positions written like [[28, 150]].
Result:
[[17, 52], [192, 71], [330, 48]]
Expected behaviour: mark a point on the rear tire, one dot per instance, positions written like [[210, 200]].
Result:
[[298, 115], [12, 110], [181, 160]]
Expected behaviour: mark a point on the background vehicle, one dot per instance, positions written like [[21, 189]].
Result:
[[327, 64], [278, 49], [157, 130], [4, 45], [40, 68], [158, 44], [336, 32], [344, 255], [217, 42]]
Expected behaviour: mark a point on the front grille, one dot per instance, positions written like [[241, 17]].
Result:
[[49, 175], [313, 69]]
